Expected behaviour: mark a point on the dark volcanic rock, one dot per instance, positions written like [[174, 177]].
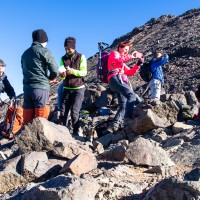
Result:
[[177, 36]]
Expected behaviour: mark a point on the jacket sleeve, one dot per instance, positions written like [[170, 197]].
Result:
[[159, 62], [52, 66], [82, 68], [115, 60], [8, 88], [131, 71], [126, 57]]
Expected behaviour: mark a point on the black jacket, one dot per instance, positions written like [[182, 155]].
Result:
[[5, 86]]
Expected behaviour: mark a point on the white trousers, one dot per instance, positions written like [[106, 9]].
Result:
[[155, 87]]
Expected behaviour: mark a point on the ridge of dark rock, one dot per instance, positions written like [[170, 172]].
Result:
[[178, 37]]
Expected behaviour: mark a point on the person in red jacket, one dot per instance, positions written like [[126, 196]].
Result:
[[118, 81]]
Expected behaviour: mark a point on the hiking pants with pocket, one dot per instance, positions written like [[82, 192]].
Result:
[[155, 87], [126, 96], [36, 104], [71, 101]]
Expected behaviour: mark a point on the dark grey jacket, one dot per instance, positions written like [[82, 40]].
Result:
[[5, 86], [38, 67]]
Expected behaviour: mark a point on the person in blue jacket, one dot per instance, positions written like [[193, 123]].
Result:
[[5, 85], [157, 80]]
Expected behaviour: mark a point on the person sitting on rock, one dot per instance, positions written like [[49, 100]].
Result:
[[118, 82]]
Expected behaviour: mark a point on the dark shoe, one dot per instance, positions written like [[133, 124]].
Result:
[[127, 121], [56, 116], [113, 127]]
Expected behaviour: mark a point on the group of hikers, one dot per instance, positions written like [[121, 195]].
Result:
[[40, 70]]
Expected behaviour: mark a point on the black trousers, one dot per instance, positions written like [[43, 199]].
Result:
[[71, 100]]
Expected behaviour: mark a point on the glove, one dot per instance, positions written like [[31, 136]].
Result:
[[140, 62]]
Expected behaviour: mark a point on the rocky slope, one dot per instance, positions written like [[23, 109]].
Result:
[[177, 36], [154, 156]]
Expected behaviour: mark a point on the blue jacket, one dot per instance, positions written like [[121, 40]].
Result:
[[156, 67]]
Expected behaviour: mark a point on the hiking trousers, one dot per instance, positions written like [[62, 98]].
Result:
[[60, 91], [126, 96], [36, 104], [155, 87], [71, 100]]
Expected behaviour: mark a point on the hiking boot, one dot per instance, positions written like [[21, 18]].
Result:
[[127, 121], [57, 116], [113, 127]]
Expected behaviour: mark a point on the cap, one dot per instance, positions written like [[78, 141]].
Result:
[[2, 63], [39, 36], [70, 42]]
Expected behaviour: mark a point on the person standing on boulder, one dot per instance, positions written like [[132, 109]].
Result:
[[75, 68], [157, 80], [5, 85], [118, 82], [39, 68]]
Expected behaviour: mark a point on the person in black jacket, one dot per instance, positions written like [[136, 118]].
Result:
[[5, 85]]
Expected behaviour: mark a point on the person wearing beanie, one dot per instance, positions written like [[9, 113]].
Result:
[[75, 69], [5, 85], [39, 68]]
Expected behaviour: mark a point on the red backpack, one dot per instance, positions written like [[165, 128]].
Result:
[[13, 120]]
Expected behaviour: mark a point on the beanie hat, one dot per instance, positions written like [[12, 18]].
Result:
[[39, 36], [70, 42], [2, 63]]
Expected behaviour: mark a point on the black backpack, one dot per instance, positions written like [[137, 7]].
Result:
[[145, 71]]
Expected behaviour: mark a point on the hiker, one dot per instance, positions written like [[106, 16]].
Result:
[[118, 82], [5, 85], [197, 93], [39, 69], [157, 80], [74, 67]]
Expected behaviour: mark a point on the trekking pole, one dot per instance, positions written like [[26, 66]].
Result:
[[100, 65], [101, 46], [147, 88]]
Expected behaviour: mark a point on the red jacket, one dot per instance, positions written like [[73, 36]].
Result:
[[116, 65]]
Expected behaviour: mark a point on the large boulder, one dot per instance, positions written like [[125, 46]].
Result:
[[147, 152], [11, 175], [42, 135], [175, 188], [63, 187], [152, 117]]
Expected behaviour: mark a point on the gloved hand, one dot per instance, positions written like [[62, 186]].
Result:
[[140, 62]]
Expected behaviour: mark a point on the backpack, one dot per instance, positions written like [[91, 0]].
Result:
[[102, 66], [13, 120], [145, 71]]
